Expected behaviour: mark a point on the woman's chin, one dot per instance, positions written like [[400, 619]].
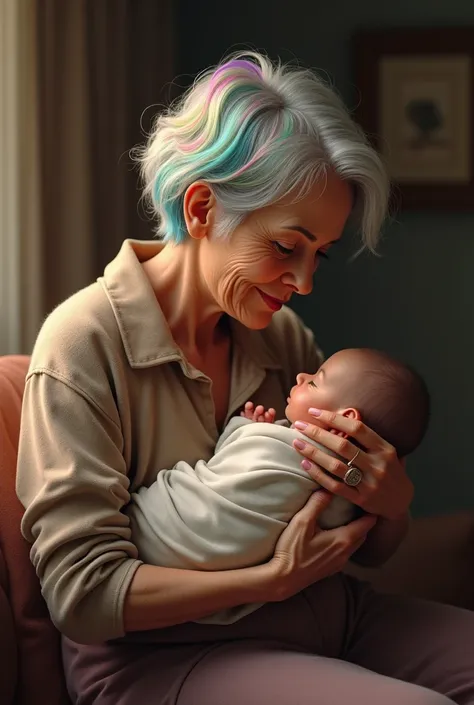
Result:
[[256, 321], [252, 312]]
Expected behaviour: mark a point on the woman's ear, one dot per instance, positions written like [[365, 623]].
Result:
[[349, 414], [199, 208]]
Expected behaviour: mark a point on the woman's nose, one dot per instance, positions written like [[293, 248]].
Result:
[[304, 281], [301, 278], [300, 378]]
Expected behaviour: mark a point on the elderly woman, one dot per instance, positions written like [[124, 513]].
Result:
[[253, 176]]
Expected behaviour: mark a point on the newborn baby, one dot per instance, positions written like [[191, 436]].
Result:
[[229, 512]]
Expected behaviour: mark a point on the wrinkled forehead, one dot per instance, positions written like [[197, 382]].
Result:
[[323, 211]]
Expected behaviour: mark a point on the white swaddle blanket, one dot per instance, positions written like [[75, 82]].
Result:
[[227, 512]]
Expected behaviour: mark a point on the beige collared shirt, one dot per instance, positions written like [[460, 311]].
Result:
[[109, 402]]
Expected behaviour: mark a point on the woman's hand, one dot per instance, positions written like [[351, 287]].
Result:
[[305, 553], [385, 488]]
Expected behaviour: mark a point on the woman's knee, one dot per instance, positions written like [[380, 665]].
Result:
[[274, 674], [423, 696]]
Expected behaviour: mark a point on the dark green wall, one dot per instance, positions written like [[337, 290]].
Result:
[[417, 300]]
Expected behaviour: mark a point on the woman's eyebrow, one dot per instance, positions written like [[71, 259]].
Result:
[[307, 233], [303, 231]]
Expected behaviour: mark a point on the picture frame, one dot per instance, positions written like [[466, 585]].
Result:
[[415, 102]]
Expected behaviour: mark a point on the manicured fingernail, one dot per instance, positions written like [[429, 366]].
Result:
[[306, 464], [299, 444], [314, 412], [301, 425]]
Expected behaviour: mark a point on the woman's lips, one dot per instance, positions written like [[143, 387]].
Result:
[[273, 304]]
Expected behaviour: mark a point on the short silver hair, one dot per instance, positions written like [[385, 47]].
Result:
[[257, 132]]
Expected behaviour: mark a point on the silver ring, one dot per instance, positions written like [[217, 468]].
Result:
[[353, 476], [354, 458]]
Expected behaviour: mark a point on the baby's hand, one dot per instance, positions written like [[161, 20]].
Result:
[[258, 413]]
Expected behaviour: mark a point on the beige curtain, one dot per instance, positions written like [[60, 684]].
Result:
[[131, 66], [92, 68], [66, 157], [101, 64], [21, 284]]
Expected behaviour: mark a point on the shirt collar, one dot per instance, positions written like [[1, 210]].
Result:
[[145, 333]]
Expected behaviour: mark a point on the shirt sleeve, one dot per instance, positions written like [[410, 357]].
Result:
[[73, 483]]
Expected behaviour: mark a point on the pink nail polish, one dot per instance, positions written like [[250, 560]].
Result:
[[314, 412], [301, 425], [299, 444], [306, 464]]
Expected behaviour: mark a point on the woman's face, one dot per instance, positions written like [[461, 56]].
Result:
[[275, 252]]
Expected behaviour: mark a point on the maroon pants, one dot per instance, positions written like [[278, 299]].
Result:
[[335, 643]]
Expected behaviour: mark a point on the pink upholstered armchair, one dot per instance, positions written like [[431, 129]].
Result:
[[435, 562], [31, 671]]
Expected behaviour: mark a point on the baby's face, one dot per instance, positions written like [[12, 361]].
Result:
[[324, 390]]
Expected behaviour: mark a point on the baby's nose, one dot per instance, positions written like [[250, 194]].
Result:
[[300, 378]]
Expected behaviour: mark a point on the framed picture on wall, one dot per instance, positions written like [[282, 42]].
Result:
[[416, 102]]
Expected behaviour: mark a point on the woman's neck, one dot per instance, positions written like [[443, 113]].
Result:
[[192, 314]]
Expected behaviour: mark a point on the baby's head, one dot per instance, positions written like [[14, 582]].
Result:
[[387, 395]]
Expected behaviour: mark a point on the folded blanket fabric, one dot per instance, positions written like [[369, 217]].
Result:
[[227, 512]]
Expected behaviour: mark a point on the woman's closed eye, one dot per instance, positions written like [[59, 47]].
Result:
[[312, 384], [282, 249]]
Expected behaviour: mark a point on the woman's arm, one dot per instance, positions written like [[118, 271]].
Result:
[[72, 481], [162, 597]]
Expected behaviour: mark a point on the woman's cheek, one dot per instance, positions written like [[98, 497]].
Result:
[[245, 271], [233, 287], [266, 269]]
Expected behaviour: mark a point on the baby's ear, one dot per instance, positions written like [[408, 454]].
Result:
[[349, 414]]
